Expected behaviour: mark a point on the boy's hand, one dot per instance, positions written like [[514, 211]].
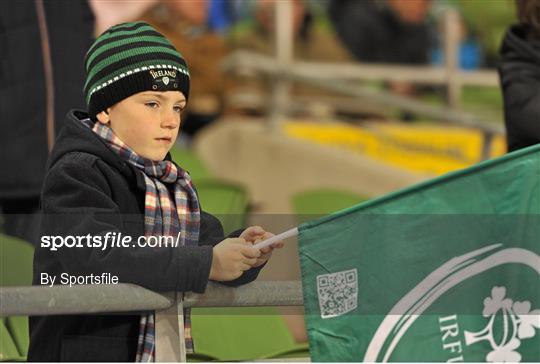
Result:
[[253, 233], [231, 258], [266, 252]]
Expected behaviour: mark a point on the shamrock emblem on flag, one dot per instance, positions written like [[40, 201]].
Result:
[[519, 322]]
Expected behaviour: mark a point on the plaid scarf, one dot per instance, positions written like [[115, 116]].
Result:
[[162, 216]]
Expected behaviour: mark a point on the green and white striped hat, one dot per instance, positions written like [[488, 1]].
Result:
[[129, 58]]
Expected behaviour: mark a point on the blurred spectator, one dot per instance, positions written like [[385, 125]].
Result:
[[43, 44], [470, 50], [385, 31], [254, 30], [520, 77], [390, 31], [220, 16], [266, 19], [111, 12]]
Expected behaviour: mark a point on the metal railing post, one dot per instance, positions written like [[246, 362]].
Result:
[[281, 87], [451, 57], [487, 143], [169, 331]]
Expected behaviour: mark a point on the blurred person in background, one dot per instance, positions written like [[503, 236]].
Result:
[[390, 31], [41, 77], [519, 71], [384, 31], [253, 29], [254, 24]]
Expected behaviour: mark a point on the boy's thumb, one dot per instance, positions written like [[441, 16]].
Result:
[[258, 230]]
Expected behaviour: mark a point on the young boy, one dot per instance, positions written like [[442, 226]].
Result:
[[110, 172]]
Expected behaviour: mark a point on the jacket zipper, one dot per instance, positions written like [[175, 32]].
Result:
[[48, 69]]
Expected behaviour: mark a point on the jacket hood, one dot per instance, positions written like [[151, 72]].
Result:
[[517, 47], [77, 137]]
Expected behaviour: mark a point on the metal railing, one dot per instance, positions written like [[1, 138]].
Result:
[[169, 307], [297, 72], [309, 75]]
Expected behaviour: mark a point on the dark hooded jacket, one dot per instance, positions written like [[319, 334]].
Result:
[[25, 48], [519, 71], [89, 189]]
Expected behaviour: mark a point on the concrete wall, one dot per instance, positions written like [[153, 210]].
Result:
[[273, 167]]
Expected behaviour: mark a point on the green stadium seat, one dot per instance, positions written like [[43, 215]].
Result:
[[8, 349], [298, 351], [18, 328], [241, 333], [228, 202], [188, 160], [315, 203], [16, 257], [198, 358]]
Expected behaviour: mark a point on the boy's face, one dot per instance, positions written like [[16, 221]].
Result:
[[148, 122]]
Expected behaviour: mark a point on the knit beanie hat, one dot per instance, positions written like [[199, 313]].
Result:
[[129, 58]]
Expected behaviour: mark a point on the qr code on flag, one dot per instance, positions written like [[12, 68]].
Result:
[[337, 292]]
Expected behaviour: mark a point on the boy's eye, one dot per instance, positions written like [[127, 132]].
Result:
[[152, 104], [178, 109]]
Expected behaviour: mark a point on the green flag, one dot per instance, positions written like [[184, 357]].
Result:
[[447, 270]]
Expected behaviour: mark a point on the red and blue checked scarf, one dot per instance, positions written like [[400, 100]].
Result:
[[163, 215]]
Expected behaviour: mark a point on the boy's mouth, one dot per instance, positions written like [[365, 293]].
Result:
[[164, 139]]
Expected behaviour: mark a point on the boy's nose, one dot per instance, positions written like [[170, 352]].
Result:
[[170, 120]]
